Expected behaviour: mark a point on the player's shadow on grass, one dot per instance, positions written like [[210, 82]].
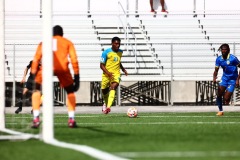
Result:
[[104, 132]]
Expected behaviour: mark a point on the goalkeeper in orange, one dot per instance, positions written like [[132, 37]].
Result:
[[111, 77], [62, 49]]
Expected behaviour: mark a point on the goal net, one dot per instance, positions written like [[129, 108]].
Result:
[[18, 126]]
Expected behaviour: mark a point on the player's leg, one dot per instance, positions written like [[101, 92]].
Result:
[[221, 90], [229, 91], [151, 5], [223, 84], [227, 97], [71, 104], [162, 2], [29, 86], [66, 82], [112, 92], [36, 99], [105, 95], [105, 91], [20, 103]]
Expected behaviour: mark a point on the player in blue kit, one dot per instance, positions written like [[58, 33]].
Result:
[[230, 78], [111, 77]]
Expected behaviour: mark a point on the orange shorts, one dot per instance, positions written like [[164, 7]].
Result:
[[64, 77]]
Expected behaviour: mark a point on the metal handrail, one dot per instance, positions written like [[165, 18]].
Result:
[[128, 27], [135, 45]]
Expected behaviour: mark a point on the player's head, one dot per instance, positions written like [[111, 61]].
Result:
[[57, 31], [225, 49], [116, 42]]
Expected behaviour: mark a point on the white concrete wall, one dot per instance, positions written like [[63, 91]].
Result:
[[184, 92]]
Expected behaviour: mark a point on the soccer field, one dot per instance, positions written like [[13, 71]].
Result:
[[165, 136]]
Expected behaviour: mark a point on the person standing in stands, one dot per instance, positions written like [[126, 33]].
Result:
[[62, 50], [162, 2], [111, 64], [230, 78], [27, 86]]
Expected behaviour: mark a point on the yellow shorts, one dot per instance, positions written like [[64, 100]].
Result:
[[106, 81]]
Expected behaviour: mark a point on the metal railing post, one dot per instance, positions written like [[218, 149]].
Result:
[[14, 83]]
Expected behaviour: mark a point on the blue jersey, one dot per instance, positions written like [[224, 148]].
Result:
[[112, 60], [229, 66]]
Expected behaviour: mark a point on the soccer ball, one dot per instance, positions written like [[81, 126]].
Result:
[[132, 112]]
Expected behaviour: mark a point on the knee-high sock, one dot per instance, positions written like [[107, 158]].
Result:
[[105, 98], [111, 98], [219, 103], [71, 104], [71, 101], [20, 103], [36, 96]]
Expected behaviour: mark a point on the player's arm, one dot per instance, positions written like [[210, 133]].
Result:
[[36, 60], [103, 61], [104, 69], [123, 69], [24, 75], [215, 73], [238, 78], [74, 61], [237, 81]]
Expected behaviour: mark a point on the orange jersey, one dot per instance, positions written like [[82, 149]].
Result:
[[62, 49]]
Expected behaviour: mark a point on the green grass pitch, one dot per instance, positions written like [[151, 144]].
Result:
[[177, 136]]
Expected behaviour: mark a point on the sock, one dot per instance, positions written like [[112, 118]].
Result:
[[36, 114], [111, 98], [105, 98], [219, 103], [20, 104], [71, 102], [36, 96], [21, 101], [71, 114]]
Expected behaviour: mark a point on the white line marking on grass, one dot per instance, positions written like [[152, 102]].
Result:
[[95, 116], [16, 135], [157, 123], [180, 154], [188, 116], [93, 152]]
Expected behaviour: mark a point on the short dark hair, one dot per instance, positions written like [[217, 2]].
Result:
[[224, 45], [57, 30], [116, 39]]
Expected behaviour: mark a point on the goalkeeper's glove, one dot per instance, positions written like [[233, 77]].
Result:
[[76, 83]]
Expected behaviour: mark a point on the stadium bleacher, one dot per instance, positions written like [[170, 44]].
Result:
[[157, 46]]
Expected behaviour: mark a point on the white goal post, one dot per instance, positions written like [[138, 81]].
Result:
[[47, 61], [2, 65]]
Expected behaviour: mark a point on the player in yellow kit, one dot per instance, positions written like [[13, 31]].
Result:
[[111, 77], [63, 48]]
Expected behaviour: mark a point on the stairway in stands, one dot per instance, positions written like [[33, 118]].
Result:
[[144, 62], [146, 92]]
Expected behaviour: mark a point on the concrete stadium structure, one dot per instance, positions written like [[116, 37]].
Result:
[[169, 57]]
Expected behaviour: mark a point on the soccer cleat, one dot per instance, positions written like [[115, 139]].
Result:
[[219, 114], [163, 10], [36, 123], [107, 111], [18, 110], [72, 123]]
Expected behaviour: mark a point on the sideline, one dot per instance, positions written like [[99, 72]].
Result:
[[180, 154]]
